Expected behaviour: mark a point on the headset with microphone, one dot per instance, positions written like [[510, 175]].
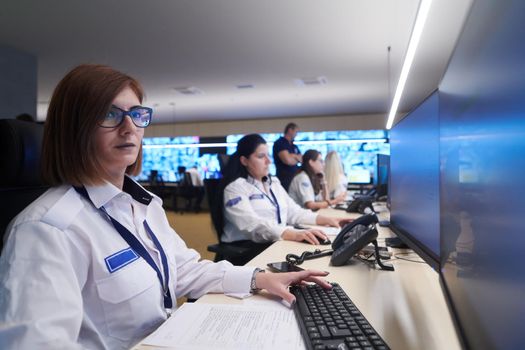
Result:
[[267, 183]]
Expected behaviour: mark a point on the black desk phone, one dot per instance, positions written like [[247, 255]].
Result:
[[360, 204], [354, 237]]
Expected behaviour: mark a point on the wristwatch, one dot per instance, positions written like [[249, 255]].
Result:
[[253, 285]]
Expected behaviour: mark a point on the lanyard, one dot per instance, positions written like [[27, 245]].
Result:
[[276, 206], [274, 202], [135, 244]]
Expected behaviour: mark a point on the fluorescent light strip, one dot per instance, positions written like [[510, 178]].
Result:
[[233, 144], [421, 18], [192, 145], [338, 142]]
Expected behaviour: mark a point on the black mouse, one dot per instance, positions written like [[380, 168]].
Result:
[[327, 241], [321, 242]]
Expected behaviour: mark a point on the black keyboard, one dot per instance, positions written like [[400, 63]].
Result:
[[329, 320]]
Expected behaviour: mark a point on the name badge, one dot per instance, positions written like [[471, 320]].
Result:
[[120, 259], [256, 196]]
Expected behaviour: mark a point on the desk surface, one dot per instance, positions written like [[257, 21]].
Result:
[[406, 307]]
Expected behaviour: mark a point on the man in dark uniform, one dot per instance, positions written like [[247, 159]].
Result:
[[286, 155]]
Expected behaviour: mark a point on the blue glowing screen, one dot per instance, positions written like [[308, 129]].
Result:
[[482, 116], [414, 178], [166, 154]]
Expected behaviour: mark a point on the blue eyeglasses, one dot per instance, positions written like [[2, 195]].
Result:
[[141, 116]]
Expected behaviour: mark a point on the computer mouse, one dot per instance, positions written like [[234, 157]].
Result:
[[321, 242], [327, 241]]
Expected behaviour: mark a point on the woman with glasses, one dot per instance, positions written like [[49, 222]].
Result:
[[308, 187], [256, 206], [93, 262]]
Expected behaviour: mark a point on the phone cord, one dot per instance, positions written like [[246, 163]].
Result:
[[298, 260]]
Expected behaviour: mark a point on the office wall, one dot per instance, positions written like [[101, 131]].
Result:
[[218, 128], [18, 82]]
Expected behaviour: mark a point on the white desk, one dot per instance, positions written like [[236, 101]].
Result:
[[406, 307]]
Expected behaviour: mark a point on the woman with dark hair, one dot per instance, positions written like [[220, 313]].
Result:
[[93, 262], [256, 206], [308, 187]]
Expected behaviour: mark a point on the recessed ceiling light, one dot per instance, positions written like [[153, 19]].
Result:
[[189, 90], [245, 86], [311, 81]]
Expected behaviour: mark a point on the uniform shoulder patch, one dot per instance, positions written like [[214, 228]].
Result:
[[233, 201]]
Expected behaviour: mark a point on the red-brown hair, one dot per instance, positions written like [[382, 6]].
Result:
[[79, 101]]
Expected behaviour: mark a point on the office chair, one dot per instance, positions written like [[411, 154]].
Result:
[[156, 185], [20, 182], [238, 253], [223, 161], [190, 193]]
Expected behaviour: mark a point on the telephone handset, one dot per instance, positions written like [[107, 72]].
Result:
[[355, 236], [360, 204]]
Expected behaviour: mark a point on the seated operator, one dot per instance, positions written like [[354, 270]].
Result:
[[256, 206], [93, 262]]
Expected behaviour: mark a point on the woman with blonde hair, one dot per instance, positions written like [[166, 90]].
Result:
[[335, 178]]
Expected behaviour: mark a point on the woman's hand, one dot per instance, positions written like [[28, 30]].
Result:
[[312, 235], [330, 221], [339, 199], [277, 283]]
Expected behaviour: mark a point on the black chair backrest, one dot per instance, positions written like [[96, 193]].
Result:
[[186, 180], [20, 182], [223, 161], [213, 191]]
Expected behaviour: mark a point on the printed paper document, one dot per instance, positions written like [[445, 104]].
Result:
[[198, 326]]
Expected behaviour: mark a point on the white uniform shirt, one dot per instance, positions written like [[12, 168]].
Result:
[[302, 191], [340, 188], [196, 179], [56, 288], [251, 214]]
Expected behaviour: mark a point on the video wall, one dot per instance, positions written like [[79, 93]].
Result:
[[357, 150]]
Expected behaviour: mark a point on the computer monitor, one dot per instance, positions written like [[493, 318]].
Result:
[[414, 180], [359, 176], [382, 175], [482, 146]]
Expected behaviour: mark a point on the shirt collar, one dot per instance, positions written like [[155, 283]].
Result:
[[100, 195], [253, 181]]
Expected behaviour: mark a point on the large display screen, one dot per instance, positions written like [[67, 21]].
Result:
[[414, 180], [357, 150], [482, 113]]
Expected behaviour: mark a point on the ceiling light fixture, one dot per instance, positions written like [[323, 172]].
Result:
[[245, 86], [189, 90], [311, 81], [422, 14]]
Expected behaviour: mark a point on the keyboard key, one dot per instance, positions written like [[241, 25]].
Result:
[[340, 333], [325, 334]]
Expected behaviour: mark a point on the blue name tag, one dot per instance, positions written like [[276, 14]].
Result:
[[233, 201], [305, 184], [257, 196], [120, 259]]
